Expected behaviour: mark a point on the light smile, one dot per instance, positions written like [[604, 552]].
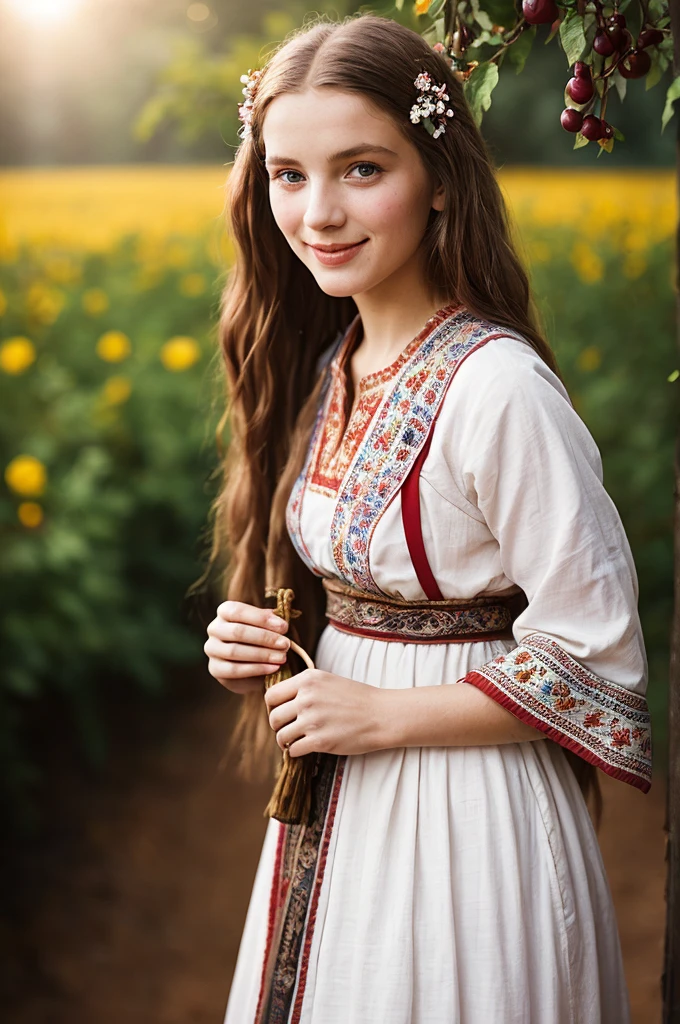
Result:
[[334, 255]]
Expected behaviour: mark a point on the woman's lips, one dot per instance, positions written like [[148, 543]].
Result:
[[334, 259]]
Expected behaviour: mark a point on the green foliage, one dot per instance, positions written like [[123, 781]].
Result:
[[478, 90], [671, 96], [477, 36], [93, 596], [572, 36]]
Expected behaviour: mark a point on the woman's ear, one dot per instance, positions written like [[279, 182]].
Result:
[[438, 197]]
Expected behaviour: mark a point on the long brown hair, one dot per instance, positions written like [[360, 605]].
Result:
[[276, 322]]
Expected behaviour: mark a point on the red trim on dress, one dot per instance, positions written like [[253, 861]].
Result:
[[484, 684], [410, 516]]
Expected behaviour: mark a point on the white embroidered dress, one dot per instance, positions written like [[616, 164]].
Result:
[[460, 885]]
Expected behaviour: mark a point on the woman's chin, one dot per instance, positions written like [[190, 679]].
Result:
[[342, 286]]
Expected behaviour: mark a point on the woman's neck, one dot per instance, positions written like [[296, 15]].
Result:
[[387, 326]]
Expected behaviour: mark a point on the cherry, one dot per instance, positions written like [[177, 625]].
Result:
[[649, 37], [571, 119], [602, 44], [607, 130], [614, 27], [582, 70], [635, 64], [627, 41], [580, 90], [592, 128], [539, 12]]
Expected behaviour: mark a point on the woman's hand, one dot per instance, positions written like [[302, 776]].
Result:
[[319, 711], [244, 644]]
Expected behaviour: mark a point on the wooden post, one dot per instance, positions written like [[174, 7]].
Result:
[[670, 981]]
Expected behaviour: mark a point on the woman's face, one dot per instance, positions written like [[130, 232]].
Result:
[[344, 178]]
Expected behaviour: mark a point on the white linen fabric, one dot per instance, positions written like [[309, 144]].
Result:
[[465, 885]]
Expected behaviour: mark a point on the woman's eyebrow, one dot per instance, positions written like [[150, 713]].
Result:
[[344, 154]]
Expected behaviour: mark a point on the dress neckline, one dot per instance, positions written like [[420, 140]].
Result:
[[378, 377]]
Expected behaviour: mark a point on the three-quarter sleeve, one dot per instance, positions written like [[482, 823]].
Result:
[[528, 463]]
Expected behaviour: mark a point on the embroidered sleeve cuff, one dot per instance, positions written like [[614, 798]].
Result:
[[604, 723]]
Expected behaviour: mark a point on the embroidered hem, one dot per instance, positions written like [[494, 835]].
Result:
[[301, 855], [605, 724]]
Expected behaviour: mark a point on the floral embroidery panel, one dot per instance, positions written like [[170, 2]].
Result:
[[606, 724]]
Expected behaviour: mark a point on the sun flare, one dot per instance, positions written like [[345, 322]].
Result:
[[44, 11]]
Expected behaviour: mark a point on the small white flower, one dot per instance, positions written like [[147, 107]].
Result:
[[449, 113]]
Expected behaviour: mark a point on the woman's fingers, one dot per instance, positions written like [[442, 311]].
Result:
[[288, 735], [283, 715], [216, 648], [239, 676], [230, 631], [260, 625], [244, 644]]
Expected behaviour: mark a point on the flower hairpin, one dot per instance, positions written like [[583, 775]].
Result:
[[245, 109], [430, 107]]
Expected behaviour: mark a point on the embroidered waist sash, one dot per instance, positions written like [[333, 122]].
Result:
[[452, 620]]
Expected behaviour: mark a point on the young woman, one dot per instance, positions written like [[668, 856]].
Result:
[[406, 458]]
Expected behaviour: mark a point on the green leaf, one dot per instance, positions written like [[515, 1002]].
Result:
[[553, 32], [620, 82], [481, 17], [655, 73], [435, 8], [435, 33], [590, 29], [671, 96], [580, 141], [399, 4], [619, 136], [673, 376], [478, 89], [572, 36], [521, 48]]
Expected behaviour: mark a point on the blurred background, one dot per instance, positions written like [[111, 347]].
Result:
[[131, 848]]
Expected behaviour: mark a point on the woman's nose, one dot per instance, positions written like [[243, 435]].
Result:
[[323, 209]]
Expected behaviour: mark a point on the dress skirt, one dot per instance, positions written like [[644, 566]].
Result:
[[457, 885]]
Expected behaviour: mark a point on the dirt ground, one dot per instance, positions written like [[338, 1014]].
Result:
[[131, 908]]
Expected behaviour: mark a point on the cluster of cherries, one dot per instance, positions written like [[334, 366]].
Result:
[[612, 39]]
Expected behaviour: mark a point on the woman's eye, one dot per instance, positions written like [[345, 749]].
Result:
[[362, 168], [286, 181]]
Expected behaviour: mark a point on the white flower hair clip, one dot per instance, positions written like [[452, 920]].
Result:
[[430, 108], [245, 109]]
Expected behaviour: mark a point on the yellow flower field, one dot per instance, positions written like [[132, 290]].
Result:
[[91, 208]]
